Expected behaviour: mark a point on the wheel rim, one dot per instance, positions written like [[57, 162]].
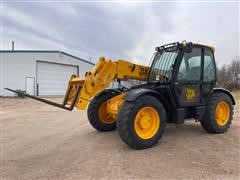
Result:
[[222, 113], [103, 115], [147, 122]]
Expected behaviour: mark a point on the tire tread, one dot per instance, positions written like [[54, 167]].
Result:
[[93, 114], [124, 129], [208, 121]]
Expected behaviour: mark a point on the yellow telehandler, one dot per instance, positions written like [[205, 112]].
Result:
[[179, 84]]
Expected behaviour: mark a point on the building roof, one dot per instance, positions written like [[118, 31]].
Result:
[[45, 51]]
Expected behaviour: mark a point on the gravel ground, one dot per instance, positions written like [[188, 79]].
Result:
[[43, 142]]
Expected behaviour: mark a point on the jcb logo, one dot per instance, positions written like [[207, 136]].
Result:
[[143, 71], [190, 93]]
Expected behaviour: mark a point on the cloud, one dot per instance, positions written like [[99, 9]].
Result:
[[120, 29]]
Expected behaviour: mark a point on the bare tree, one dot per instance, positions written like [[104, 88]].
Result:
[[229, 75], [224, 77], [235, 70]]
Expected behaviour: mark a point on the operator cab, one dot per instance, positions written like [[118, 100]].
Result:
[[185, 73]]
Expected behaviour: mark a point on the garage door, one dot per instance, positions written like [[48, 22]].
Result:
[[52, 78]]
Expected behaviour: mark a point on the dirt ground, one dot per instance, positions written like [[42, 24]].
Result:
[[43, 142]]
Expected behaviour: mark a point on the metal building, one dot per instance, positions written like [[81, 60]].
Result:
[[41, 73]]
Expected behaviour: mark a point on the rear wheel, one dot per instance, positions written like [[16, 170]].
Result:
[[219, 113], [141, 123], [97, 112]]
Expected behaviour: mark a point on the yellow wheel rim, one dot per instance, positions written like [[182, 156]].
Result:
[[103, 115], [222, 113], [147, 122]]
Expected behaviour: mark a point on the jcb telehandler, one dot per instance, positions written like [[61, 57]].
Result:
[[180, 84]]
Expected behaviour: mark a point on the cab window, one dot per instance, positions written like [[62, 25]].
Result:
[[190, 68], [209, 66]]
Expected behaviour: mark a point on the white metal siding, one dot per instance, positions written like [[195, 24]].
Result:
[[52, 79], [16, 66], [1, 72]]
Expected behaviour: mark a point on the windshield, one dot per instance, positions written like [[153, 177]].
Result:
[[162, 65]]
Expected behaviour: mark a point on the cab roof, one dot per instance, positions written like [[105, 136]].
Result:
[[183, 44], [208, 46]]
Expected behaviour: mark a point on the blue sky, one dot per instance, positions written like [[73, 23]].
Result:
[[120, 29]]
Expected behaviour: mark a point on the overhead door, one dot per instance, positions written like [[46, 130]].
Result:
[[52, 78]]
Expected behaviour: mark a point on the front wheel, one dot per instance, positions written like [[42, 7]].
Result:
[[97, 112], [141, 123]]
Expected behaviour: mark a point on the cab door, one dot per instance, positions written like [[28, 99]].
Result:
[[188, 80]]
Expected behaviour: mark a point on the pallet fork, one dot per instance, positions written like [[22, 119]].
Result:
[[62, 106]]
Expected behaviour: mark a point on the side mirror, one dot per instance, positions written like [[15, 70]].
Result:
[[189, 47]]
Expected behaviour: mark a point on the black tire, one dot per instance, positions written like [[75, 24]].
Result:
[[209, 122], [126, 118], [93, 112]]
